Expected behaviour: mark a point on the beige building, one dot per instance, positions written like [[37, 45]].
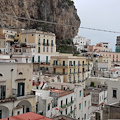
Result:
[[2, 43], [75, 69], [15, 89], [44, 43]]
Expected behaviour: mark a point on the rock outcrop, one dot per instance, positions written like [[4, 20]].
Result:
[[57, 11]]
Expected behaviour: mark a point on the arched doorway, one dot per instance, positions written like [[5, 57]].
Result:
[[4, 112], [27, 107]]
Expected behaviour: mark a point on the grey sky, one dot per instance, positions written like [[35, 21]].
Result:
[[102, 14]]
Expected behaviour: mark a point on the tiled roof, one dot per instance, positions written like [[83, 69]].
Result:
[[27, 116], [113, 70]]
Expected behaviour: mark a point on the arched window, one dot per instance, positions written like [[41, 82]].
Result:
[[1, 74], [20, 73]]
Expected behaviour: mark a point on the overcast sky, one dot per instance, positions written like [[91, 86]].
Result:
[[101, 14]]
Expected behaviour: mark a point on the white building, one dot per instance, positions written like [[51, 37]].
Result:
[[54, 102], [15, 89], [80, 42], [79, 109], [113, 91], [98, 98]]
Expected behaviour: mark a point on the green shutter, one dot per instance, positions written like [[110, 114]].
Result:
[[51, 42], [46, 59], [43, 41], [38, 49]]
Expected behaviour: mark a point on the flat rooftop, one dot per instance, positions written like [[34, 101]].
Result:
[[95, 90], [61, 93]]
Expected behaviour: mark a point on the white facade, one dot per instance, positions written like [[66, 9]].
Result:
[[82, 103], [22, 58], [49, 106], [80, 42], [113, 91]]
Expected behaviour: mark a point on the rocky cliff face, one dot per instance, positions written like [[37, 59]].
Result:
[[59, 11]]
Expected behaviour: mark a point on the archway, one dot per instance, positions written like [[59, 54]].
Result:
[[27, 107], [4, 112]]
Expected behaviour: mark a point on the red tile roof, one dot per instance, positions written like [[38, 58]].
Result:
[[27, 116], [113, 70]]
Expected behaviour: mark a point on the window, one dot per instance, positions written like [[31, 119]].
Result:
[[115, 93], [18, 113], [66, 111], [66, 101], [2, 92], [51, 49], [61, 103], [85, 103], [43, 41], [48, 106], [1, 75], [46, 59], [43, 49], [80, 93], [47, 49], [63, 63], [25, 40], [74, 70], [47, 42], [20, 73], [38, 49], [21, 89], [80, 106], [0, 114], [70, 71], [51, 42], [38, 59], [84, 116], [39, 41]]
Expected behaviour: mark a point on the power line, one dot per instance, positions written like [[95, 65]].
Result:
[[54, 23]]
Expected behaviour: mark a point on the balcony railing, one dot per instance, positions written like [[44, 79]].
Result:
[[60, 65], [67, 105]]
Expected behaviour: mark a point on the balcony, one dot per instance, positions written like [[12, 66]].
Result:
[[67, 105], [46, 44], [59, 65]]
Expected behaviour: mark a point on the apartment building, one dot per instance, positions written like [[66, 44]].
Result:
[[73, 104], [45, 44], [2, 43], [15, 86], [100, 64], [100, 47], [98, 99], [115, 57], [54, 102], [113, 91], [113, 73], [9, 35], [81, 43], [117, 49], [75, 69]]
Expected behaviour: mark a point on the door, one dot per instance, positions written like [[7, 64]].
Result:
[[33, 59], [21, 89], [0, 114], [46, 59]]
